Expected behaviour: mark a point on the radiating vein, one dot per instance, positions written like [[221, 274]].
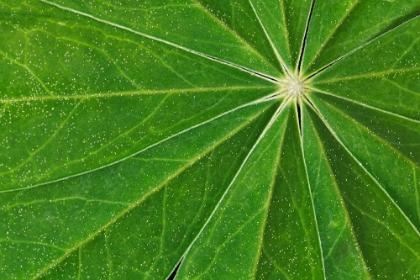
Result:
[[340, 196], [334, 134], [141, 200], [334, 30], [222, 198], [231, 236], [232, 31], [122, 27], [316, 72], [368, 106], [127, 93], [303, 45], [261, 100], [369, 75], [376, 136], [309, 186], [279, 58], [269, 201], [284, 22], [386, 227]]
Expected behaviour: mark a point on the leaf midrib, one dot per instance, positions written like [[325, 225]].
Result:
[[177, 46], [261, 100], [145, 197], [268, 204], [343, 206], [367, 106], [128, 93], [379, 185]]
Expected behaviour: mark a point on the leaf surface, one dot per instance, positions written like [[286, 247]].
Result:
[[240, 139]]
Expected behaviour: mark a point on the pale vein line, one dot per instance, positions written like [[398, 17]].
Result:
[[128, 93], [369, 41], [374, 135], [283, 65], [309, 185], [285, 26], [149, 10], [26, 67], [401, 87], [229, 199], [269, 201], [161, 239], [263, 133], [297, 206], [273, 261], [334, 30], [305, 37], [52, 136], [262, 100], [369, 75], [100, 51], [141, 200], [123, 73], [233, 12], [127, 132], [64, 199], [246, 174], [121, 135], [205, 196], [367, 106], [339, 195], [198, 211], [13, 241], [174, 71], [406, 51], [122, 27], [313, 74], [228, 28], [387, 228], [219, 218], [364, 169], [332, 248], [219, 247], [161, 159]]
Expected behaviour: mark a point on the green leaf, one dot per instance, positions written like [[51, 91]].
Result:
[[240, 139]]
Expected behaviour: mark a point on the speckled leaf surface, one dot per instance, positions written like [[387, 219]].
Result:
[[240, 139]]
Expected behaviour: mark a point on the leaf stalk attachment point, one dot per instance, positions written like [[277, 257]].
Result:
[[294, 86]]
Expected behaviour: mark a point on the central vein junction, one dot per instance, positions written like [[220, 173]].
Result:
[[293, 86]]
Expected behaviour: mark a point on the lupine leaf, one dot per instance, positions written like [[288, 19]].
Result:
[[237, 139]]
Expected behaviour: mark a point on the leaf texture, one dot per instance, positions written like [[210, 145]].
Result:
[[240, 139]]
